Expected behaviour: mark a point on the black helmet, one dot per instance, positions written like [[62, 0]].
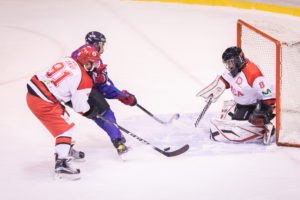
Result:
[[95, 38], [233, 58]]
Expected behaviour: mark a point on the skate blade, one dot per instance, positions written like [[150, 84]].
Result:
[[69, 177], [124, 156]]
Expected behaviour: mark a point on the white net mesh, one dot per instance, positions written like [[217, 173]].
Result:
[[262, 51], [290, 93]]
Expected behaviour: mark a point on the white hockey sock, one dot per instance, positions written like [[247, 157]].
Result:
[[63, 144], [62, 150]]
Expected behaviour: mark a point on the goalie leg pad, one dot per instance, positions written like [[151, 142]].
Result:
[[233, 131], [228, 109], [269, 133]]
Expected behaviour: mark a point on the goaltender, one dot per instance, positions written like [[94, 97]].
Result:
[[248, 117]]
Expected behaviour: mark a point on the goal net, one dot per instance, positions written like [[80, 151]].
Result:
[[276, 50]]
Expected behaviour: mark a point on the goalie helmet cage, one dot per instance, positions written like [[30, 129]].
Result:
[[279, 60]]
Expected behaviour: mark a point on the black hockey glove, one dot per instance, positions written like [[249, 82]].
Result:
[[97, 103], [69, 103], [262, 114], [92, 113]]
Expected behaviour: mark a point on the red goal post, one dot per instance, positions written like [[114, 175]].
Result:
[[266, 46]]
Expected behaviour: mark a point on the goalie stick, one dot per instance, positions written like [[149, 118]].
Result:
[[165, 152], [175, 116], [204, 110], [210, 93]]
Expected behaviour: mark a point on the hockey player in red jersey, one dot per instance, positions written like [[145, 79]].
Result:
[[107, 88], [66, 81], [248, 117]]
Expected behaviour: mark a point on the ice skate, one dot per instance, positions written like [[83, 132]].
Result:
[[123, 139], [63, 170], [120, 146], [76, 155]]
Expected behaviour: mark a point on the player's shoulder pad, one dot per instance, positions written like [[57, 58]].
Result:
[[251, 72], [86, 81]]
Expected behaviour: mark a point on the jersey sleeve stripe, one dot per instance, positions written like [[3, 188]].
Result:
[[42, 89], [63, 140], [37, 92], [225, 82], [251, 72]]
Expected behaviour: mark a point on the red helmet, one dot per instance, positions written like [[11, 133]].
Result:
[[88, 54]]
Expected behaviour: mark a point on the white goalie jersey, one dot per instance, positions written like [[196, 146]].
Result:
[[249, 85]]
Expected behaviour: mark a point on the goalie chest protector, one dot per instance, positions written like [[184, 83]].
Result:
[[249, 85]]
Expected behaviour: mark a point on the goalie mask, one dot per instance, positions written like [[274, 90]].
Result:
[[233, 58]]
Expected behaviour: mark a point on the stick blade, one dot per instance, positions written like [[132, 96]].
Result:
[[174, 153], [174, 117]]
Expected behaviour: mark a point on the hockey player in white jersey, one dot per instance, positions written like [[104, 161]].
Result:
[[66, 81], [248, 117]]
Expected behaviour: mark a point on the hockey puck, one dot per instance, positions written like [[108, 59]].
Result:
[[167, 149]]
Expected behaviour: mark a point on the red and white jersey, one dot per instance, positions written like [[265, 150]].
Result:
[[249, 85], [63, 82]]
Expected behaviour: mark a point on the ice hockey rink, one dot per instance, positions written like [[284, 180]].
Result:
[[164, 53]]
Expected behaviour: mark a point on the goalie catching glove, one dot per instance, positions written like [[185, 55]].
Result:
[[213, 91], [127, 98], [262, 114]]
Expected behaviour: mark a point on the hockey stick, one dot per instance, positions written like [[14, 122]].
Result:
[[204, 110], [164, 152], [175, 116]]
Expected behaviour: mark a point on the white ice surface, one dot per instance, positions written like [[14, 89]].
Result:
[[163, 53]]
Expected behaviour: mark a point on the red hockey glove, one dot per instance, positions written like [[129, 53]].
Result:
[[101, 74], [129, 100]]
